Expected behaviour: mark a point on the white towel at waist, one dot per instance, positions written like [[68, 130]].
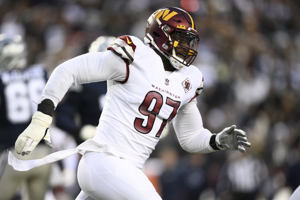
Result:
[[87, 146]]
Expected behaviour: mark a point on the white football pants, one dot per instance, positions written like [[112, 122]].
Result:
[[106, 177]]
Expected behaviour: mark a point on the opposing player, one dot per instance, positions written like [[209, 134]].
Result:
[[79, 112], [150, 84], [20, 89]]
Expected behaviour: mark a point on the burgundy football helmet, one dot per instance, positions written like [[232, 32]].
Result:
[[172, 32]]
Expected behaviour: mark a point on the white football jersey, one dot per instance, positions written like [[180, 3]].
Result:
[[138, 110], [142, 97]]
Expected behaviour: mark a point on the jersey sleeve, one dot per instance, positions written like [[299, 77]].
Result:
[[87, 68], [191, 134]]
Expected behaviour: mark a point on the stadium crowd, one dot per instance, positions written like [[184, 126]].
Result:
[[249, 55]]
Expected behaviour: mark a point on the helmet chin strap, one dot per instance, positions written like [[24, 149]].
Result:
[[173, 60], [176, 64], [176, 61]]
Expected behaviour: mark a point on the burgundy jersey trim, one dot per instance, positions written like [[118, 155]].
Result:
[[194, 97], [127, 72]]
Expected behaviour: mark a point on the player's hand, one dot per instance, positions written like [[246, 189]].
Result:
[[232, 139], [37, 130]]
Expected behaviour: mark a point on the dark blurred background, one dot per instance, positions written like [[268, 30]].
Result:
[[249, 54]]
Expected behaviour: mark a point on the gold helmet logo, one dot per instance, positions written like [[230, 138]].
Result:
[[165, 14]]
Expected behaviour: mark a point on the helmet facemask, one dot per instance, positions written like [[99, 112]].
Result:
[[174, 37], [184, 47]]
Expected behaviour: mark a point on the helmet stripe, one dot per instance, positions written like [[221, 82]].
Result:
[[191, 20], [169, 16], [158, 14], [165, 14]]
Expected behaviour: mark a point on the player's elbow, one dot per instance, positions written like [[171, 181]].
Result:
[[185, 146], [189, 150]]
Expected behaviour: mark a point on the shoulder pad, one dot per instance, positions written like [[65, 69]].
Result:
[[124, 47]]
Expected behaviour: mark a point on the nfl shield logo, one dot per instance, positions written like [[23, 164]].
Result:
[[167, 81]]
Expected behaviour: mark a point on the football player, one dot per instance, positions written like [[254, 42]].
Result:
[[79, 112], [20, 89], [150, 84]]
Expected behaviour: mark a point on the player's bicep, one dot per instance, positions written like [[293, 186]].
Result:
[[100, 66], [113, 67], [87, 68]]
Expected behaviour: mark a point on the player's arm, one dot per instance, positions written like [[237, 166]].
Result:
[[91, 67], [194, 138], [87, 68]]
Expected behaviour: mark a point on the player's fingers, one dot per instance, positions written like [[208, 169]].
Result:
[[31, 147], [246, 144], [241, 149], [47, 138], [243, 141], [240, 138], [19, 145], [240, 132], [28, 146], [230, 129], [48, 143]]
